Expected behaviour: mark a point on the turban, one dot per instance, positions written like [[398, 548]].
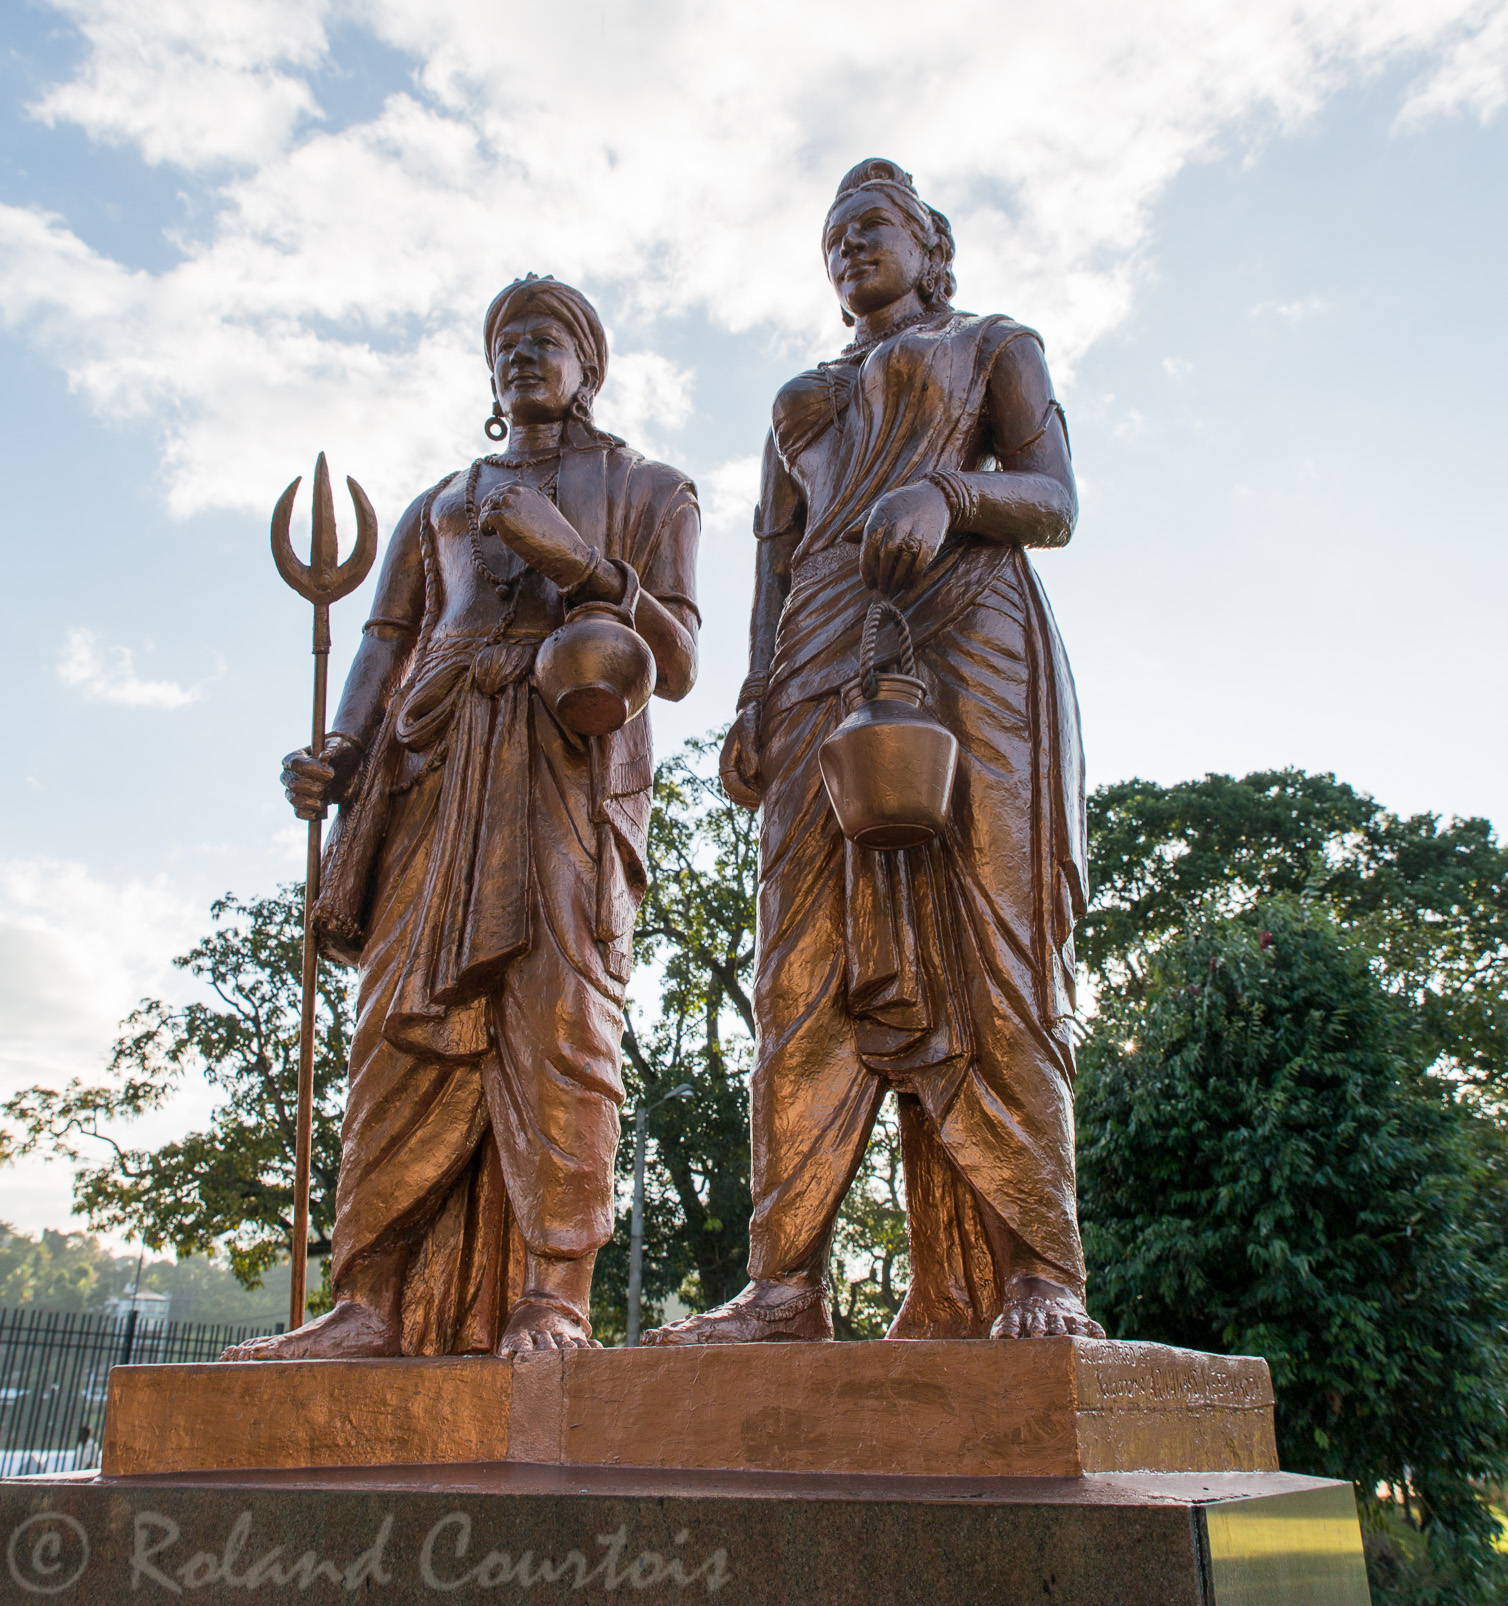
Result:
[[566, 306]]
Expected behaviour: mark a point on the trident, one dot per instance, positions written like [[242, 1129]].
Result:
[[323, 580]]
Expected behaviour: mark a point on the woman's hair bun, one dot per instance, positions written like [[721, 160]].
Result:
[[875, 171]]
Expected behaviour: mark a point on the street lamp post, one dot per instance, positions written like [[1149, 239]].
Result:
[[636, 1229]]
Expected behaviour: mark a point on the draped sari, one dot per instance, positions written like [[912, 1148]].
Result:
[[945, 972]]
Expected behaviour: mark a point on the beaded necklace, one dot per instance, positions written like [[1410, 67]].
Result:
[[857, 348], [507, 590]]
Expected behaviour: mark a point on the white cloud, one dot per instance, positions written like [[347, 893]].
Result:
[[674, 158], [77, 953], [645, 393], [1472, 77], [1296, 311], [108, 674], [216, 86], [728, 495]]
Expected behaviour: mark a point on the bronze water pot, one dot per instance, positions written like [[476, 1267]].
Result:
[[889, 766], [596, 671]]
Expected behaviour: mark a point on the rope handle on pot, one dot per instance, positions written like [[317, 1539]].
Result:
[[881, 609]]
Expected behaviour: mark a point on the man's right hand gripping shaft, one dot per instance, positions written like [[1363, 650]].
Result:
[[313, 784]]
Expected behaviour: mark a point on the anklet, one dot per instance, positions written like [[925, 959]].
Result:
[[784, 1312]]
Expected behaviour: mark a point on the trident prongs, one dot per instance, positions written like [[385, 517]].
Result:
[[324, 579]]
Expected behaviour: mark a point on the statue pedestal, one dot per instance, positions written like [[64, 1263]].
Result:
[[1094, 1474], [1047, 1407], [393, 1536]]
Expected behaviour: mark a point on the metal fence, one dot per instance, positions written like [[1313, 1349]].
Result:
[[53, 1368]]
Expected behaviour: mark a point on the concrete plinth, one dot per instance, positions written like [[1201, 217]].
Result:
[[551, 1534], [1048, 1407]]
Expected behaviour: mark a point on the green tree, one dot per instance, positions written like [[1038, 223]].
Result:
[[228, 1188], [69, 1271], [1268, 1166], [1428, 900], [693, 949], [870, 1264]]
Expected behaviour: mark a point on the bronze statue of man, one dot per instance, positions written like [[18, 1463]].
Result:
[[486, 867], [921, 463]]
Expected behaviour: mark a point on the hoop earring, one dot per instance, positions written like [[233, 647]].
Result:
[[927, 285], [496, 427], [581, 405]]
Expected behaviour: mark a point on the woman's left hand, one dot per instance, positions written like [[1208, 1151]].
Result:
[[534, 527], [904, 529]]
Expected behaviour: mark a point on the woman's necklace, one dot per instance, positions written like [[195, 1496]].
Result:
[[857, 348]]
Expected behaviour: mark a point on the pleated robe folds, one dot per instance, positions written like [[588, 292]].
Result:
[[944, 972], [485, 875]]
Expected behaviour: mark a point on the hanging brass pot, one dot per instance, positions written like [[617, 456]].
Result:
[[596, 671], [889, 766]]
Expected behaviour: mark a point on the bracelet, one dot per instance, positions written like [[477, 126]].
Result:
[[350, 741], [597, 570], [752, 690], [961, 497]]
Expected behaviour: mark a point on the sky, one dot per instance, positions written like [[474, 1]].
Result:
[[1264, 245]]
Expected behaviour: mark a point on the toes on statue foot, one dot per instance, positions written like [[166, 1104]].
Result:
[[1039, 1317], [539, 1326]]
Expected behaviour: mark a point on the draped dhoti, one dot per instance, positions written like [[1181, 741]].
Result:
[[494, 1130]]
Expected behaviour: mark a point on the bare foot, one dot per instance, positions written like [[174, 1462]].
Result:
[[765, 1312], [1037, 1307], [535, 1324], [352, 1331]]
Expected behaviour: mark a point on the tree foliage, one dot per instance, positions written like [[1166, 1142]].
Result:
[[693, 952], [1428, 900], [1297, 1148], [1268, 1167], [870, 1264], [229, 1187]]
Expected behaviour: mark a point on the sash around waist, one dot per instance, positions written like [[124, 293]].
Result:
[[830, 560], [452, 665]]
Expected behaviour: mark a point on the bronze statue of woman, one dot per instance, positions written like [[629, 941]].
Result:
[[486, 867], [922, 463]]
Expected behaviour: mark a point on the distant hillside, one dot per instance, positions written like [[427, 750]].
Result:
[[74, 1271]]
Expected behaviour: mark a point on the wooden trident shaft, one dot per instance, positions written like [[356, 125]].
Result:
[[323, 580]]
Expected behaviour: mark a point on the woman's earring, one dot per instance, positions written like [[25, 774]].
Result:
[[496, 427], [927, 287]]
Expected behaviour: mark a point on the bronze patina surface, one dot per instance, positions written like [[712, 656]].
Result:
[[487, 861], [920, 464], [1064, 1407]]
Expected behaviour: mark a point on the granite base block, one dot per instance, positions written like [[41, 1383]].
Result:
[[505, 1532]]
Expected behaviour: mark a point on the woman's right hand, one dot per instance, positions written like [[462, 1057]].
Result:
[[313, 784], [739, 767]]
